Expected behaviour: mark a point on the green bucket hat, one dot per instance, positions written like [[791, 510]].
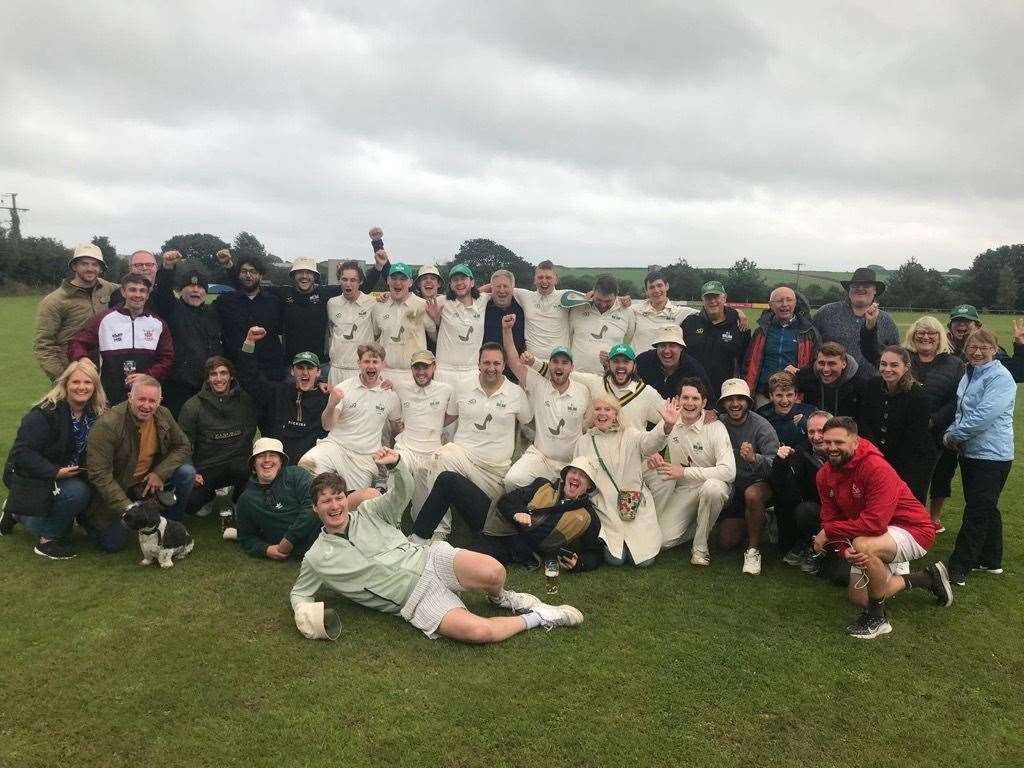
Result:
[[307, 358], [622, 349], [401, 268], [712, 287]]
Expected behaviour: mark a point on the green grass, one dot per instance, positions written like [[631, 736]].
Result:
[[110, 664]]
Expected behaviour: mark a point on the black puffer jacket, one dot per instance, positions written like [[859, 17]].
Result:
[[840, 399], [44, 443], [939, 378]]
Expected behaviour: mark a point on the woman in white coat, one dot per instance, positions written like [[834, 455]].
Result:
[[629, 523]]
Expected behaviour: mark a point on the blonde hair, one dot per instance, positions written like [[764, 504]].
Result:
[[605, 399], [927, 323], [59, 391]]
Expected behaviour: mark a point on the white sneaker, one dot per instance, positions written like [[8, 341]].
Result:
[[517, 602], [557, 615], [230, 534], [699, 558], [752, 562]]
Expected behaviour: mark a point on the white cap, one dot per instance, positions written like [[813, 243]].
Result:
[[428, 269], [304, 262], [265, 444], [734, 387], [584, 465], [87, 251], [670, 334], [317, 623]]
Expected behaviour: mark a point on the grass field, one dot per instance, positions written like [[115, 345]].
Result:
[[110, 664]]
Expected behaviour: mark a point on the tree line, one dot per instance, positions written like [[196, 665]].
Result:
[[995, 279]]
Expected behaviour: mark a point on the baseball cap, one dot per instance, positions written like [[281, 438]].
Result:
[[964, 312], [622, 349], [401, 268], [306, 357], [195, 277], [423, 357], [712, 287], [460, 269], [561, 351]]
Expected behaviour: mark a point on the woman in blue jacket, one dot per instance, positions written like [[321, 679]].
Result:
[[982, 433], [50, 446]]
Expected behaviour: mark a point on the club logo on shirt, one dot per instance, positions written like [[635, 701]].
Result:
[[314, 298], [279, 505], [147, 334], [435, 403], [487, 420], [401, 329], [351, 334], [856, 491], [117, 336], [726, 335], [700, 331], [698, 447], [362, 313], [557, 430], [572, 408], [604, 330], [468, 334]]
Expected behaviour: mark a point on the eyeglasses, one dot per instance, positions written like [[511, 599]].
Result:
[[248, 272], [931, 334], [980, 348]]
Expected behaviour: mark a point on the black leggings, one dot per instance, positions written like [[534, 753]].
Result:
[[452, 490], [942, 476], [236, 476]]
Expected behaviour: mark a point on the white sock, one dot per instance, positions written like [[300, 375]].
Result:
[[418, 540], [532, 619], [499, 598]]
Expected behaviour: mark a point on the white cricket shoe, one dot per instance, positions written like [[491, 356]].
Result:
[[700, 558], [557, 615], [752, 562], [517, 602]]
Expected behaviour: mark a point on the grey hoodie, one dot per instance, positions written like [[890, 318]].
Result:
[[757, 431]]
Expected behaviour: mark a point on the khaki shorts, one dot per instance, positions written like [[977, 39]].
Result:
[[435, 592]]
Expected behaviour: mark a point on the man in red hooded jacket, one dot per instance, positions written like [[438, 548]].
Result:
[[869, 515]]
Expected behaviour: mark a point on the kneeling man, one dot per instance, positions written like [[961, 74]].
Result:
[[364, 556], [869, 515]]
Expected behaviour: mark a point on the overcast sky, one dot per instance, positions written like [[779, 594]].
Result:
[[590, 132]]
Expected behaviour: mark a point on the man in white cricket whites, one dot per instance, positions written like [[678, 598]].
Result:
[[398, 322], [547, 321], [487, 407], [559, 404], [349, 322], [363, 556], [355, 415], [424, 407], [693, 479], [598, 325], [460, 325], [656, 311]]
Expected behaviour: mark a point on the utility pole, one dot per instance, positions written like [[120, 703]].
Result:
[[13, 210], [798, 264]]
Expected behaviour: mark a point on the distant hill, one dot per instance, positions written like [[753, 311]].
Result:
[[772, 277]]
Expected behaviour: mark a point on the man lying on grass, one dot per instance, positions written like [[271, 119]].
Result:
[[364, 556], [869, 515]]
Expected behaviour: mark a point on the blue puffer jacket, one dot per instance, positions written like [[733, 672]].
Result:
[[983, 427]]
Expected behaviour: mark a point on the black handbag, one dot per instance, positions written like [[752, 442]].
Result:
[[29, 496]]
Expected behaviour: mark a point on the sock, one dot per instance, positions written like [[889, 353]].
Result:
[[918, 579], [532, 619], [418, 540], [876, 608], [497, 599]]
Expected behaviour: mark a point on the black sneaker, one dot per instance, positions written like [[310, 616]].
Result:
[[7, 521], [55, 550], [867, 627], [812, 562], [940, 584], [795, 556], [958, 577]]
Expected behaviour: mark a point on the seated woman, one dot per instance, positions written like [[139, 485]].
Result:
[[50, 447], [220, 422], [624, 504], [894, 416], [545, 519]]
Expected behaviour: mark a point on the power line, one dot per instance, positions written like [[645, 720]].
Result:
[[798, 264], [13, 210]]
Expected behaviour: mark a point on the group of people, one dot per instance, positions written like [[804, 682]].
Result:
[[576, 428]]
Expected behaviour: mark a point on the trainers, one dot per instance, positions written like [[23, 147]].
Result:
[[941, 528], [958, 578], [795, 556], [54, 550], [517, 602], [557, 615], [940, 584], [699, 558], [812, 562], [752, 562], [867, 627], [230, 533], [997, 571], [7, 521]]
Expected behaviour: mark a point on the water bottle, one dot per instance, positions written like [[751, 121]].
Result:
[[551, 576]]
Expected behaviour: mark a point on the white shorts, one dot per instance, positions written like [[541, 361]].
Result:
[[907, 549], [435, 592]]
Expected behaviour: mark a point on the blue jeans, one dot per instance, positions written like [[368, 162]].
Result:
[[71, 502], [183, 479]]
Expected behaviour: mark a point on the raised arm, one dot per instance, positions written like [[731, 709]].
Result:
[[330, 416], [512, 358]]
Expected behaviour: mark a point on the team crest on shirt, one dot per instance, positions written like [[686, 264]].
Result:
[[697, 447], [435, 403], [727, 336], [572, 408], [314, 298], [856, 491], [362, 312], [500, 404], [700, 331], [147, 334], [471, 401], [117, 336], [379, 408]]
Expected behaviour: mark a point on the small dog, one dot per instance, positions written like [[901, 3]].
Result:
[[159, 538]]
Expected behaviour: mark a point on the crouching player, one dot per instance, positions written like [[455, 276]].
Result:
[[362, 555], [870, 516]]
